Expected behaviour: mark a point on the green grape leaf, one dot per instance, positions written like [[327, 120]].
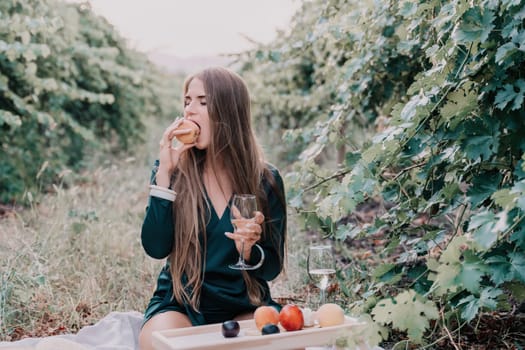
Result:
[[519, 190], [505, 96], [471, 271], [451, 192], [454, 250], [518, 100], [445, 278], [504, 198], [432, 264], [410, 109], [372, 152], [510, 95], [459, 105], [488, 297], [486, 225], [519, 15], [351, 158], [408, 312], [419, 274], [499, 268], [519, 38], [483, 186], [380, 148], [479, 146], [472, 304], [470, 308], [517, 266], [382, 270], [332, 206], [504, 51], [474, 26], [518, 235], [449, 268], [371, 333]]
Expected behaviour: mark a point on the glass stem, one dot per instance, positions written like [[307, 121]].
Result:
[[322, 296], [241, 254]]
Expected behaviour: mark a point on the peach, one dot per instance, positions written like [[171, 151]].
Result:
[[264, 315], [330, 315]]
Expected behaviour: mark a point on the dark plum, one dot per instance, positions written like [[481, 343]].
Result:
[[270, 329], [230, 329]]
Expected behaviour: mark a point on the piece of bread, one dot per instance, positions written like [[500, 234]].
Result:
[[190, 137]]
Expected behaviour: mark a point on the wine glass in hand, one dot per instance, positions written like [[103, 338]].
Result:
[[321, 268], [243, 211]]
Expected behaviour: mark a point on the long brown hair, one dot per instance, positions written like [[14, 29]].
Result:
[[234, 144]]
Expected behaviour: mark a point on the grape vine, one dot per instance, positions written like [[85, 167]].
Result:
[[420, 105]]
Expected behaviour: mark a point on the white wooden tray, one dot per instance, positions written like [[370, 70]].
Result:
[[210, 337]]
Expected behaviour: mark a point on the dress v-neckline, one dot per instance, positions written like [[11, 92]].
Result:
[[212, 207]]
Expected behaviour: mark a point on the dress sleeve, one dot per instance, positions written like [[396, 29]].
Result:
[[157, 228], [273, 244]]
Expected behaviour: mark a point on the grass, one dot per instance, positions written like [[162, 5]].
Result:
[[75, 255]]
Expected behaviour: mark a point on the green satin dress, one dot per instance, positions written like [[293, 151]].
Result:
[[223, 293]]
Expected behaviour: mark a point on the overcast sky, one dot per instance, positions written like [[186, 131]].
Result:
[[189, 28]]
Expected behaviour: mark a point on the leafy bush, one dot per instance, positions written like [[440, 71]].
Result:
[[417, 104], [68, 83]]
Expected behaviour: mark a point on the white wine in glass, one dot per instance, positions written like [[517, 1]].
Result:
[[242, 211], [321, 268]]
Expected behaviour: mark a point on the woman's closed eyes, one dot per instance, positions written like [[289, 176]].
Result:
[[202, 101]]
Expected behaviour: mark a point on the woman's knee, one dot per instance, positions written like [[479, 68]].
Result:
[[145, 340], [159, 322]]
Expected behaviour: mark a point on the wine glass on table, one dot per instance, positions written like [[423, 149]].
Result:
[[242, 212], [321, 268]]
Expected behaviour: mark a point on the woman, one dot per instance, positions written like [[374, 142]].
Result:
[[188, 219]]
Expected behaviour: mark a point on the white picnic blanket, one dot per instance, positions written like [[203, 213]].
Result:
[[116, 331]]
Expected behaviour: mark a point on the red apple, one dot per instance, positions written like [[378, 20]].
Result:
[[291, 317]]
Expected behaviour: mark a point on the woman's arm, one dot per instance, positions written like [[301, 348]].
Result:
[[274, 240], [157, 228]]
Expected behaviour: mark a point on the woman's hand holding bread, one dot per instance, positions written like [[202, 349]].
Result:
[[187, 132]]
